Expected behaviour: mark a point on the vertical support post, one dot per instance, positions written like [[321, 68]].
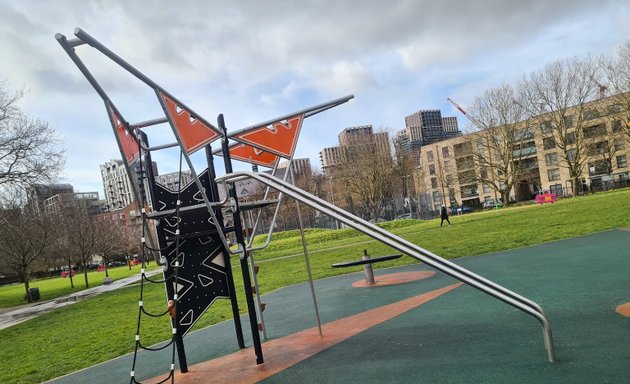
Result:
[[367, 269], [306, 259], [240, 239], [254, 270], [214, 195]]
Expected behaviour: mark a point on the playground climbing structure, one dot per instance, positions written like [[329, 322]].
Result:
[[187, 228]]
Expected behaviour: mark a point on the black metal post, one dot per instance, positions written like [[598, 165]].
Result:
[[240, 239], [214, 195]]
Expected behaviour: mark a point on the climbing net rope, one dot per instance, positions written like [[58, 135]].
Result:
[[175, 263]]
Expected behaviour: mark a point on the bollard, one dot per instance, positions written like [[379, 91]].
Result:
[[367, 269]]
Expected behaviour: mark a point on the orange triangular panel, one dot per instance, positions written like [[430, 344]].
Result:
[[192, 132], [249, 154], [279, 138], [127, 142]]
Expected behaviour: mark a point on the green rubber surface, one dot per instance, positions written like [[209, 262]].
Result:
[[464, 336]]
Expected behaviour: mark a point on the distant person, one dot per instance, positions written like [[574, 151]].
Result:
[[444, 216]]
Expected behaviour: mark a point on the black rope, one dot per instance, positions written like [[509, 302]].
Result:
[[173, 276]]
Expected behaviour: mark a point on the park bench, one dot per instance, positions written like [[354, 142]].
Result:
[[367, 262]]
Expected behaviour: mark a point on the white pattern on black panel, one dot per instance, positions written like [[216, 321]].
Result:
[[205, 280], [188, 318], [182, 286]]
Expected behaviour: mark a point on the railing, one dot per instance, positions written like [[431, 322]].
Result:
[[404, 246]]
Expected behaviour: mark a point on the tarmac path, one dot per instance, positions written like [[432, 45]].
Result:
[[22, 313]]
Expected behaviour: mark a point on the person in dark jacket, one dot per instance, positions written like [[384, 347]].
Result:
[[444, 216]]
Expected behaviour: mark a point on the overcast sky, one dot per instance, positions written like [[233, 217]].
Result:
[[255, 60]]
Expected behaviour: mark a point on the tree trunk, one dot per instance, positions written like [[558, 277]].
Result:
[[29, 299], [85, 271], [70, 273]]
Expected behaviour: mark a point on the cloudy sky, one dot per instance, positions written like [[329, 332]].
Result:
[[255, 60]]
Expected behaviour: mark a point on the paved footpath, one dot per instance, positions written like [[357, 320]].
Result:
[[25, 312]]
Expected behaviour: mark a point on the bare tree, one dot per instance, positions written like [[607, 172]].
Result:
[[24, 238], [28, 147], [504, 140], [617, 75], [558, 95], [81, 234], [110, 240], [366, 175]]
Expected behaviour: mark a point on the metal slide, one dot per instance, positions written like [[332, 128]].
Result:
[[404, 246]]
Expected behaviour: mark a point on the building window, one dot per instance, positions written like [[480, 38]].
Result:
[[545, 127], [486, 188], [551, 159], [590, 114], [445, 152], [619, 144], [570, 138], [568, 121], [430, 155], [622, 161], [557, 189], [447, 165], [553, 174], [617, 126], [431, 169], [434, 183], [598, 130], [571, 155], [549, 143]]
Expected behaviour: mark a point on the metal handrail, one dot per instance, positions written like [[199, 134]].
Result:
[[402, 245]]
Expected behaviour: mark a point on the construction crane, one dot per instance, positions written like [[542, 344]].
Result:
[[472, 119], [478, 125]]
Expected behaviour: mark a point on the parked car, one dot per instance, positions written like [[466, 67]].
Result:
[[460, 210], [403, 216], [489, 204], [116, 263]]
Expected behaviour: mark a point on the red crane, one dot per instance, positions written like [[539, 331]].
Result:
[[472, 119]]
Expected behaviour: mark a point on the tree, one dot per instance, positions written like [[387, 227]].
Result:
[[28, 147], [24, 238], [617, 75], [111, 240], [558, 95], [366, 175], [504, 140], [81, 234]]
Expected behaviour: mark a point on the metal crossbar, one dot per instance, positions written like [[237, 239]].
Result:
[[495, 290]]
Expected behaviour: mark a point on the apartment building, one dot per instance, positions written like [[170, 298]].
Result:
[[428, 126], [300, 166], [174, 180], [66, 202], [117, 184], [332, 156], [449, 170]]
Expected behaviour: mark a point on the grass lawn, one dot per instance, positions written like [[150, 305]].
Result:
[[102, 327], [13, 295]]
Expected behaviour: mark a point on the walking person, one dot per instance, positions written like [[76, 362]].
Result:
[[444, 216]]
